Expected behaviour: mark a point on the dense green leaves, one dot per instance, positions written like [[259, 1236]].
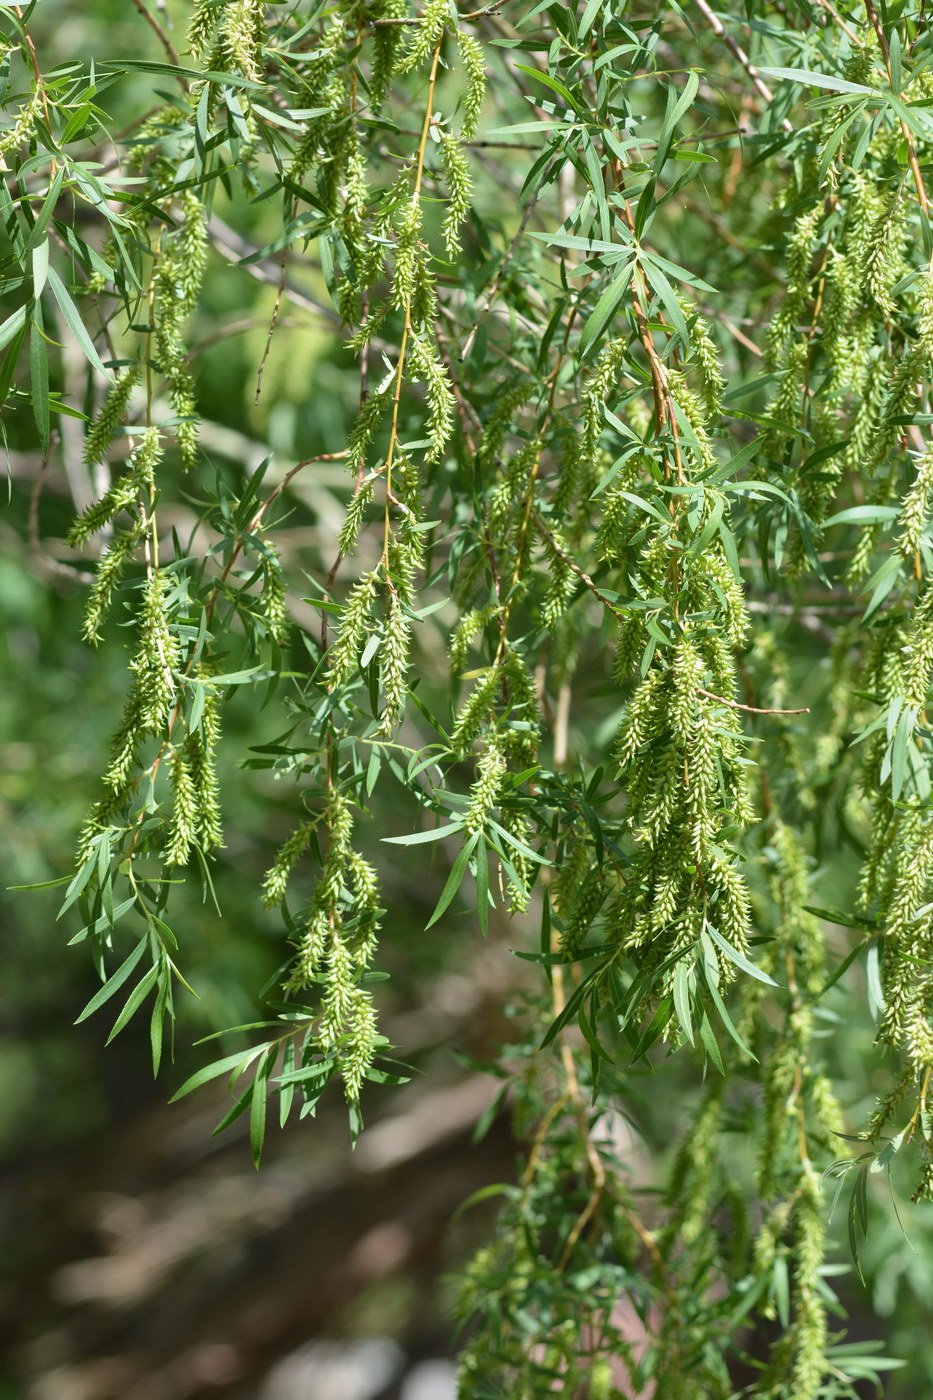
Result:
[[620, 609]]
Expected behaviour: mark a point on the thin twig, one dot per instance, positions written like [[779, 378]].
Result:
[[164, 40], [497, 280], [761, 87], [51, 565], [574, 567], [908, 135], [277, 307], [749, 709]]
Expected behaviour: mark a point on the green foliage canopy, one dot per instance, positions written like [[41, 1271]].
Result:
[[648, 451]]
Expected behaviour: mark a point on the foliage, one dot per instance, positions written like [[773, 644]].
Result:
[[668, 409]]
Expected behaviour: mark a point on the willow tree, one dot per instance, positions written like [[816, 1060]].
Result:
[[631, 595]]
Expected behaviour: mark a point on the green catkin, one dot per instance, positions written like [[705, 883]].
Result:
[[201, 750], [193, 247], [23, 127], [337, 944], [393, 664], [693, 1173], [810, 1332], [273, 600], [471, 56], [612, 539], [111, 415], [286, 859], [509, 494], [409, 253], [387, 40], [428, 368], [562, 582], [435, 17], [705, 356], [521, 873], [469, 627], [459, 191], [159, 655], [801, 247], [484, 794], [203, 25], [184, 810], [353, 520], [179, 272], [474, 711], [500, 423], [345, 651], [883, 255], [595, 391], [153, 689], [137, 479], [110, 570], [242, 37], [363, 432]]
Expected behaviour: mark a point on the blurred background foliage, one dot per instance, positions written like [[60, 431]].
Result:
[[139, 1257]]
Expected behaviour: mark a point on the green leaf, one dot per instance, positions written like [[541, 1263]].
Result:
[[135, 999], [667, 297], [605, 309], [683, 986], [675, 110], [252, 676], [73, 317], [881, 582], [708, 1037], [14, 323], [862, 515], [739, 958], [114, 983], [40, 267], [883, 1161], [257, 1111], [894, 58], [37, 237], [555, 85], [679, 274], [43, 884], [485, 1193], [518, 845], [237, 1109], [420, 838], [873, 979], [107, 920], [39, 364], [655, 1028], [843, 967], [584, 245], [571, 1006], [820, 80], [235, 1064], [482, 885], [858, 1217], [724, 1016], [454, 879]]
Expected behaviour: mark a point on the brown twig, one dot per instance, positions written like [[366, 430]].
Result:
[[905, 129], [164, 40], [277, 307], [574, 567], [749, 709], [51, 565], [761, 87]]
